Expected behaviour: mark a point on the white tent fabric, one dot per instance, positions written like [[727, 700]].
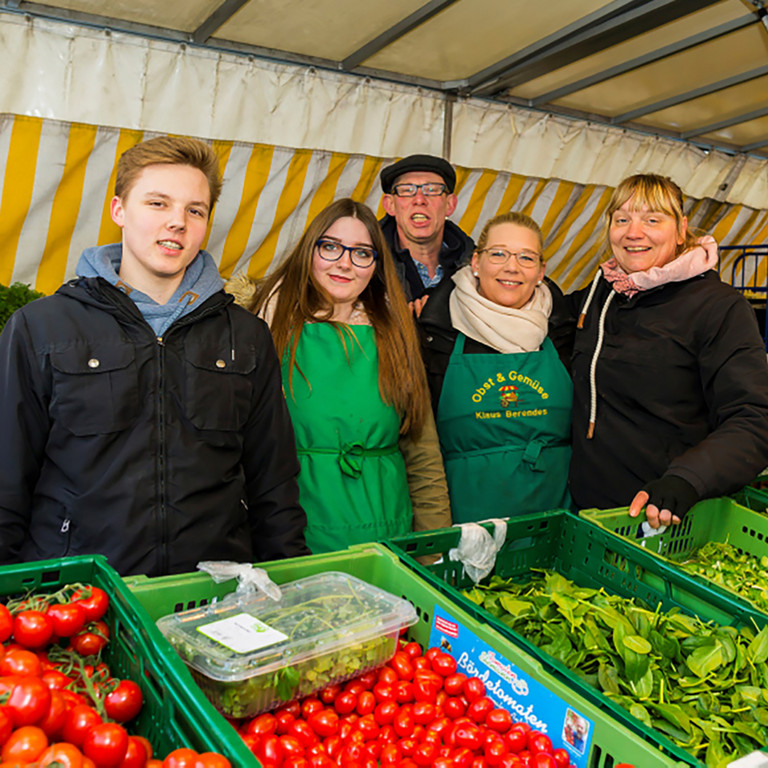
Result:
[[75, 74]]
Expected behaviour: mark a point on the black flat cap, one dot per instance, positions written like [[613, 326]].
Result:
[[418, 163]]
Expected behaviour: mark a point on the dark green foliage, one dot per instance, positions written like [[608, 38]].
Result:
[[14, 297]]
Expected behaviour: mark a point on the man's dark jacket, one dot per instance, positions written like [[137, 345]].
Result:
[[157, 453], [456, 251]]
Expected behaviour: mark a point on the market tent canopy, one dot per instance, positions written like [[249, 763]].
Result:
[[563, 98]]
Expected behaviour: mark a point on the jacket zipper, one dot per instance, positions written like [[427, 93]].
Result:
[[161, 455]]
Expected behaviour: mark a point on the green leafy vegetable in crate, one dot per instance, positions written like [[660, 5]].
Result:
[[251, 655], [726, 566], [704, 686]]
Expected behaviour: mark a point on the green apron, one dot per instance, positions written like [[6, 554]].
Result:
[[504, 424], [352, 482]]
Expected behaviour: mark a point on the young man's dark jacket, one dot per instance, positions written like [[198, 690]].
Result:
[[437, 334], [158, 453], [681, 389], [456, 251]]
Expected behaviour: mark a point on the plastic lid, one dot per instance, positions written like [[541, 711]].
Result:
[[236, 640]]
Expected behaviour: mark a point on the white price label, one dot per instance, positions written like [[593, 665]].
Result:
[[242, 633]]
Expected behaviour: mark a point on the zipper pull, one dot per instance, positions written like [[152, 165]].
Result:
[[65, 526], [160, 341]]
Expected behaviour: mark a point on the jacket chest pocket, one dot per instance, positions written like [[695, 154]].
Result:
[[95, 389], [218, 390]]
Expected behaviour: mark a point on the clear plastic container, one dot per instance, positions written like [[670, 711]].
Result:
[[251, 655]]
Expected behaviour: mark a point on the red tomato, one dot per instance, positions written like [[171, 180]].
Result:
[[403, 722], [329, 694], [80, 720], [423, 712], [135, 755], [25, 744], [212, 760], [388, 675], [453, 685], [366, 703], [106, 744], [310, 705], [29, 701], [462, 757], [180, 758], [403, 691], [368, 679], [368, 727], [562, 758], [124, 702], [401, 663], [385, 712], [303, 732], [425, 689], [20, 661], [324, 723], [32, 629], [291, 746], [444, 664], [479, 708], [474, 688], [454, 707], [498, 720], [6, 623], [93, 600], [384, 691], [543, 760], [425, 754], [67, 619], [55, 680], [516, 739], [261, 725], [345, 703], [321, 761], [539, 742], [510, 761], [92, 640], [55, 717], [411, 649], [390, 754], [62, 755], [284, 720], [469, 735], [6, 725]]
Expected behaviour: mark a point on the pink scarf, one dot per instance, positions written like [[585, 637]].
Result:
[[695, 261]]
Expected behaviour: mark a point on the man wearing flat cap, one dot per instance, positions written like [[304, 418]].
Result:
[[418, 198]]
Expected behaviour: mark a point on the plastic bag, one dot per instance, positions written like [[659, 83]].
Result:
[[646, 531], [477, 549], [250, 579]]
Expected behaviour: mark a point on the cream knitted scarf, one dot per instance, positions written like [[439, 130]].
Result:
[[505, 329]]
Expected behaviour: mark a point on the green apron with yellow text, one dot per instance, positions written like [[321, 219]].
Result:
[[504, 423], [352, 484]]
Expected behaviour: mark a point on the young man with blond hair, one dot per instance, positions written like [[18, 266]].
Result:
[[142, 411]]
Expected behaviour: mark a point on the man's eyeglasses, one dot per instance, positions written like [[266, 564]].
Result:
[[410, 190], [359, 255], [523, 258]]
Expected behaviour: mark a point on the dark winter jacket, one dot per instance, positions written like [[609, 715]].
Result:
[[456, 251], [158, 453], [437, 334], [682, 389]]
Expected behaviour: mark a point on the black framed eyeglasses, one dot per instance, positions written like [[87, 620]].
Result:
[[431, 189], [359, 255], [523, 258]]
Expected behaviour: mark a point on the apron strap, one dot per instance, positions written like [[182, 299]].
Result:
[[458, 345], [350, 455]]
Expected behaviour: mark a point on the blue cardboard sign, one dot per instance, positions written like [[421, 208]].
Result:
[[507, 686]]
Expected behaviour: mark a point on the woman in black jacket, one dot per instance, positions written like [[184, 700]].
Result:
[[501, 394], [670, 374]]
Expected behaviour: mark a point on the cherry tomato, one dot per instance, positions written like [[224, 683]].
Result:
[[32, 629], [543, 760], [388, 675], [469, 735], [310, 705], [366, 703], [329, 694], [262, 725], [302, 730], [479, 708], [345, 703], [384, 691], [67, 619], [412, 649], [291, 747], [324, 723], [403, 691], [444, 664], [55, 717], [539, 742], [454, 707], [453, 685], [516, 739], [401, 663], [385, 712], [25, 744], [562, 758], [284, 720], [6, 623], [93, 600], [124, 702], [423, 712], [90, 641], [55, 680], [403, 722]]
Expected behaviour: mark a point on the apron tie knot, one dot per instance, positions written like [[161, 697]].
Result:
[[532, 452], [349, 459]]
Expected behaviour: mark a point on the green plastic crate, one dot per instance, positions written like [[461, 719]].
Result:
[[589, 556], [753, 498], [172, 716], [718, 520], [612, 742]]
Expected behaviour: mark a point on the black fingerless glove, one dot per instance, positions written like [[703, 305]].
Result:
[[673, 493]]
